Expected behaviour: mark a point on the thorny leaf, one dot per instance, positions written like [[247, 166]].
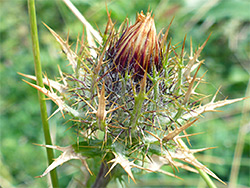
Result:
[[177, 131], [186, 167], [188, 157], [62, 106], [190, 87], [156, 162], [72, 57], [210, 107], [194, 59], [125, 163], [54, 84], [68, 154]]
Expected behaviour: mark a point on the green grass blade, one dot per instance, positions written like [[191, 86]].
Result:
[[38, 70]]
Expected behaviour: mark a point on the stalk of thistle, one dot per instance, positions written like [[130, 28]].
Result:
[[133, 99]]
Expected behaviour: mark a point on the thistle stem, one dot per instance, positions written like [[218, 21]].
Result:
[[102, 180], [38, 70], [206, 178]]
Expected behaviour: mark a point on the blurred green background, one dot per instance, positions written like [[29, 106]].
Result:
[[227, 56]]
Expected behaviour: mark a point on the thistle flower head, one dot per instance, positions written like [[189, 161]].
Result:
[[142, 127], [138, 48]]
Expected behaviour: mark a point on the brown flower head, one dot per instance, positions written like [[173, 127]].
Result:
[[138, 48]]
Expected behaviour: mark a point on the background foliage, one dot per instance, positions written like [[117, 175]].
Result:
[[227, 57]]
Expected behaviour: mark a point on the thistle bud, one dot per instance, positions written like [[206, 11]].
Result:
[[138, 122], [137, 49]]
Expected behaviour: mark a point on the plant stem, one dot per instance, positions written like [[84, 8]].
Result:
[[101, 180], [38, 70], [206, 178]]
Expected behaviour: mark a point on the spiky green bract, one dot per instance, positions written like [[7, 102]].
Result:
[[128, 119]]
